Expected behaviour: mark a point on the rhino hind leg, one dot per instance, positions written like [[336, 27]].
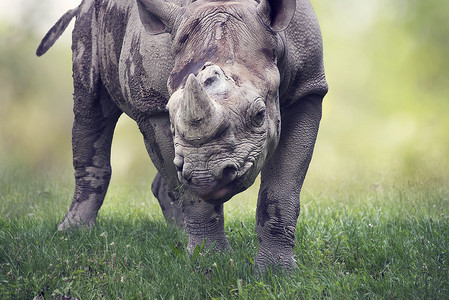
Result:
[[169, 201], [94, 123], [93, 128]]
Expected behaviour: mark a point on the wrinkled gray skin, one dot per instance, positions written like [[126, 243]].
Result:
[[221, 91]]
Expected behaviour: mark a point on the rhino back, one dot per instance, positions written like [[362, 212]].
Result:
[[302, 68], [133, 65]]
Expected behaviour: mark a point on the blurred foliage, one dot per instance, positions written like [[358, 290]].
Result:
[[35, 97], [386, 115]]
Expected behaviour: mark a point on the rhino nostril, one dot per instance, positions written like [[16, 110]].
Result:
[[229, 173]]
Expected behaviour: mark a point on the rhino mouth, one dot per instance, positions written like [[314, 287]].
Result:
[[217, 190]]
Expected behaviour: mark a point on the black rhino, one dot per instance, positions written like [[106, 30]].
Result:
[[222, 90]]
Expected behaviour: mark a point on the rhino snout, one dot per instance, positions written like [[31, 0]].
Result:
[[208, 184], [224, 173]]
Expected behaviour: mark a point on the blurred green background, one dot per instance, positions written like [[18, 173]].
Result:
[[386, 117]]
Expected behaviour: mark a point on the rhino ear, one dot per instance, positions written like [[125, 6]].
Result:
[[277, 13], [158, 16]]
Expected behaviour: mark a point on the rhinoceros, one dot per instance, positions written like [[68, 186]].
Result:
[[221, 90]]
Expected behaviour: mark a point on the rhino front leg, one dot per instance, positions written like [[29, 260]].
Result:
[[200, 219], [281, 181], [204, 221], [93, 128]]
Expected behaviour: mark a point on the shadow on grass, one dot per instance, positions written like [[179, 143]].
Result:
[[133, 256]]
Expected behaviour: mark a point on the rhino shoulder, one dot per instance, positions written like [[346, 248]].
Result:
[[302, 67]]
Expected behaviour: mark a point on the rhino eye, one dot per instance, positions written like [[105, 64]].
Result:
[[258, 119], [256, 113]]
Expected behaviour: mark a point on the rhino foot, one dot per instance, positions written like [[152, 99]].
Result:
[[81, 214], [276, 242], [212, 231], [275, 258], [204, 221], [72, 221], [220, 244]]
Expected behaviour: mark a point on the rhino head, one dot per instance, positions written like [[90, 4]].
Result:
[[224, 103]]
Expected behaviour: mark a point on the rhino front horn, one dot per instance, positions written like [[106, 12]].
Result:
[[201, 118]]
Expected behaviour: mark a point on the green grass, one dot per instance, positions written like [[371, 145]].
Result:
[[377, 242]]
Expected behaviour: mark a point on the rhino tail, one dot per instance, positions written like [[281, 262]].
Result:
[[55, 32]]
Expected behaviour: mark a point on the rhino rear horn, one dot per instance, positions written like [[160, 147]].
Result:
[[158, 16], [277, 13]]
